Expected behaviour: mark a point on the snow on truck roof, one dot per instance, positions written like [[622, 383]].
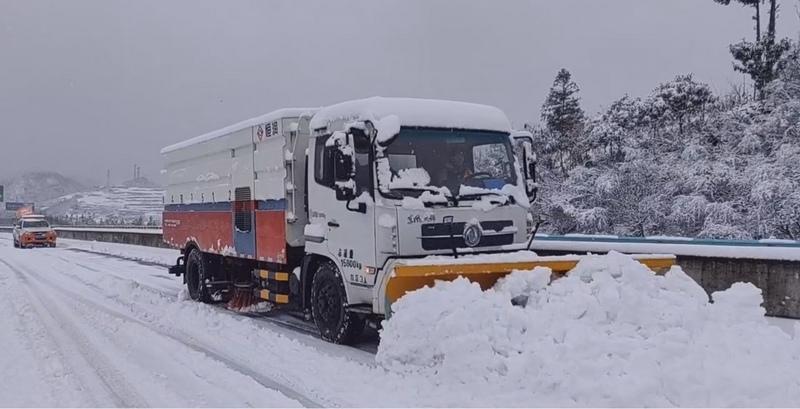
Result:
[[411, 112], [416, 112], [280, 113]]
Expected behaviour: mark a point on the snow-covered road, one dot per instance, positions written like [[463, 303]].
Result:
[[80, 326], [82, 329]]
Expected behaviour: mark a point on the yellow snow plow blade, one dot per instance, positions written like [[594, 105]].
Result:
[[410, 277]]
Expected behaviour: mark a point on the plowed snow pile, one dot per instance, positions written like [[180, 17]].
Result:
[[612, 333]]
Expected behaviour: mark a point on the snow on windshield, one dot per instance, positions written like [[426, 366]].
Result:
[[447, 161], [410, 178]]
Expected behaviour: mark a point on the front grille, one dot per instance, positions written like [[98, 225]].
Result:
[[436, 236], [443, 229]]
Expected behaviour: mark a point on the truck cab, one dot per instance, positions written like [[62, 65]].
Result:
[[393, 180], [33, 231]]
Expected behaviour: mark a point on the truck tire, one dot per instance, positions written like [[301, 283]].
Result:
[[196, 276], [328, 307]]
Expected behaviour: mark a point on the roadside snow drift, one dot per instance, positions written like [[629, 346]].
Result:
[[611, 333]]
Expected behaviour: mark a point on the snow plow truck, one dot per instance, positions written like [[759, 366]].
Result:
[[337, 212]]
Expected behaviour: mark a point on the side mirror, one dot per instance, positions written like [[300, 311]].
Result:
[[531, 187], [523, 143], [344, 169], [345, 191]]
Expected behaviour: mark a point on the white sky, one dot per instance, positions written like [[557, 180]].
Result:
[[105, 84]]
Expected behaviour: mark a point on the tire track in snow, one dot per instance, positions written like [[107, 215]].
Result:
[[119, 256], [181, 338], [282, 319], [61, 327], [60, 383], [157, 291]]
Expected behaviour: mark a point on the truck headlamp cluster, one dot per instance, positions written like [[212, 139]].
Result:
[[472, 235]]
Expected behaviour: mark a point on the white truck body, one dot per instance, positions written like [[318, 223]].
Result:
[[429, 178]]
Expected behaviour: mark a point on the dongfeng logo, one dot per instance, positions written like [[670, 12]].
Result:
[[472, 235]]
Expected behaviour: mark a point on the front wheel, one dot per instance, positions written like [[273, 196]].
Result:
[[196, 273], [329, 307]]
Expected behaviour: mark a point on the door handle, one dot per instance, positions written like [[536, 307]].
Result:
[[333, 223]]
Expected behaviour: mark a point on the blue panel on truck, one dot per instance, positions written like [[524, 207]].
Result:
[[244, 235]]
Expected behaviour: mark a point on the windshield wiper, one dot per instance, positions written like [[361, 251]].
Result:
[[403, 191], [476, 196], [415, 189]]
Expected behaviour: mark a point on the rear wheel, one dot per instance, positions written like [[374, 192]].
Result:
[[16, 244], [329, 307], [196, 273]]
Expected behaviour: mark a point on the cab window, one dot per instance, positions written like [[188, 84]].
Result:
[[323, 162]]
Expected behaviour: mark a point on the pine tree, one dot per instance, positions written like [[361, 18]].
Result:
[[683, 99], [759, 59], [564, 120], [607, 133], [756, 4]]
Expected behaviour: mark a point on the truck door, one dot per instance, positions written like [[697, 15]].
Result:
[[349, 224], [352, 227]]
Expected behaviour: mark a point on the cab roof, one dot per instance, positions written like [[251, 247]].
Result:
[[416, 112]]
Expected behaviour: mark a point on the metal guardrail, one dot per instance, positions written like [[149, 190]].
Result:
[[669, 240], [540, 238], [106, 226], [773, 266], [95, 226]]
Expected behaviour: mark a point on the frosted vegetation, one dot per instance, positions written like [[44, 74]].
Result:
[[680, 161]]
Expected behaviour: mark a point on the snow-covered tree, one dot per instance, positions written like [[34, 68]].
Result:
[[682, 162], [683, 100], [563, 119], [608, 134], [760, 58]]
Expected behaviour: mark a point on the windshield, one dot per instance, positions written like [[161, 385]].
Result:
[[33, 224], [437, 159]]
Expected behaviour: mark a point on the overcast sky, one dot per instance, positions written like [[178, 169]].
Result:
[[90, 85]]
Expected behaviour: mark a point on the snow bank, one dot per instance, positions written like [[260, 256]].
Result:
[[612, 333], [160, 256]]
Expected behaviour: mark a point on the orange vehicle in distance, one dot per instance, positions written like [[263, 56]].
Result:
[[33, 231]]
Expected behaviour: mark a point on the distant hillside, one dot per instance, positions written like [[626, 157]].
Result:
[[140, 182], [39, 187], [117, 205]]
